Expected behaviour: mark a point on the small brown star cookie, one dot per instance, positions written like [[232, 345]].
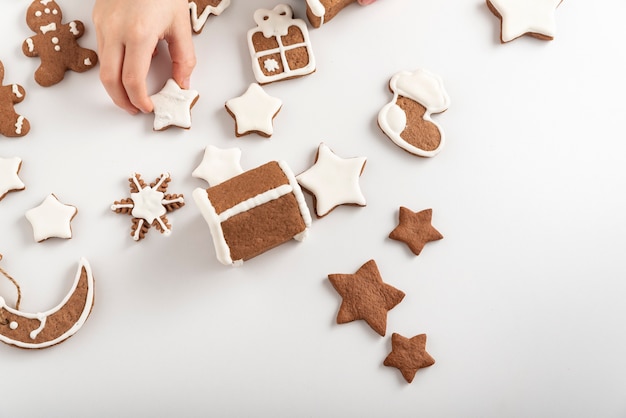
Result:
[[408, 355], [415, 229], [365, 296]]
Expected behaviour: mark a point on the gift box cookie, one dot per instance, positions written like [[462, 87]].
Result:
[[280, 47], [254, 211]]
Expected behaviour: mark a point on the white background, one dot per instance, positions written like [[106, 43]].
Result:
[[522, 301]]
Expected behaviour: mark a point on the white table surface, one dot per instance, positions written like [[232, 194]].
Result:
[[522, 301]]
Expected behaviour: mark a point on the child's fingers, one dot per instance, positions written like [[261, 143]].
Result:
[[111, 76], [181, 48], [137, 59]]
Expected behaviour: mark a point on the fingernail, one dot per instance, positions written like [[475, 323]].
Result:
[[186, 83]]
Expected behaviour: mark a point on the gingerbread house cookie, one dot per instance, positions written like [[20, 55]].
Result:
[[253, 212], [280, 47]]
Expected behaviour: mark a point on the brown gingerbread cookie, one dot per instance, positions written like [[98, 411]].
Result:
[[11, 124], [55, 43]]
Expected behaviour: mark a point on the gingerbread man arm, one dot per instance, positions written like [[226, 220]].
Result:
[[76, 28], [29, 47], [17, 92]]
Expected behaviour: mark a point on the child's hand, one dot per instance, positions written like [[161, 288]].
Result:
[[366, 2], [128, 32]]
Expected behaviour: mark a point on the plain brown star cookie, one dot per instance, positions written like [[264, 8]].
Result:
[[415, 229], [408, 355], [365, 296]]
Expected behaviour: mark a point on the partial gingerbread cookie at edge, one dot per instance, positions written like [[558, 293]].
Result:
[[200, 10], [320, 12], [406, 120], [55, 43], [11, 124], [525, 17]]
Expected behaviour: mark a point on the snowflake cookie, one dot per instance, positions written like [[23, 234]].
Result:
[[148, 205]]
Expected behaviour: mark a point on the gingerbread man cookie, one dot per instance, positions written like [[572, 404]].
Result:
[[11, 124], [55, 43]]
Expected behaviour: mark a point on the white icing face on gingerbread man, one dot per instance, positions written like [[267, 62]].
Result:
[[55, 43]]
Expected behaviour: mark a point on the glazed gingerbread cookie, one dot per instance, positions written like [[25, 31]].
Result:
[[280, 46], [322, 11], [200, 10], [406, 120], [55, 43], [11, 123]]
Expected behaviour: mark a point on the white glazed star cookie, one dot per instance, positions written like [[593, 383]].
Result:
[[254, 111], [9, 179], [51, 219], [333, 181], [218, 165], [525, 17], [172, 106]]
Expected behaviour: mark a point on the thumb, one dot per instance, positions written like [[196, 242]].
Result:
[[182, 53]]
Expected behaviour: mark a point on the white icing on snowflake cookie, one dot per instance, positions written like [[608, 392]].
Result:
[[9, 179], [254, 111], [406, 120], [280, 47], [172, 106], [51, 219], [219, 165], [525, 17], [149, 205], [200, 11], [333, 181]]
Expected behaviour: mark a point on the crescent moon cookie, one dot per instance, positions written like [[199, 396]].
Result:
[[46, 329], [333, 181], [148, 205], [9, 179], [11, 124], [254, 111], [406, 120], [525, 17], [51, 219], [55, 43], [365, 296], [200, 10], [279, 46], [172, 106]]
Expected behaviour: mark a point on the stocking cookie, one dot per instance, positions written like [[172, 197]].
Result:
[[55, 43], [11, 124], [406, 119]]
